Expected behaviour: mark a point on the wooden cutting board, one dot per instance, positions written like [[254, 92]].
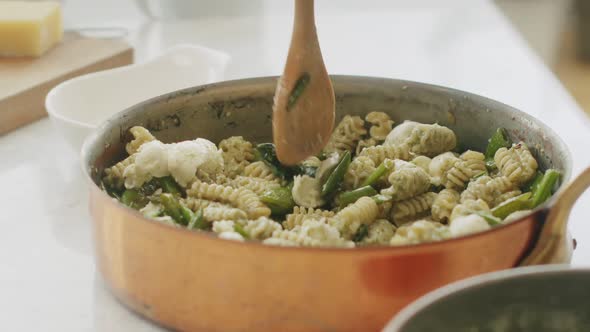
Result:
[[24, 82]]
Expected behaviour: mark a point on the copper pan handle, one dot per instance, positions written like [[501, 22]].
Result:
[[551, 247]]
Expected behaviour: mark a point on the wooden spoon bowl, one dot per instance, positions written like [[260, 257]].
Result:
[[303, 110]]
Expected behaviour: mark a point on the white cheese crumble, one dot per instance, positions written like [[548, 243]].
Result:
[[307, 191], [181, 160], [400, 133], [468, 225]]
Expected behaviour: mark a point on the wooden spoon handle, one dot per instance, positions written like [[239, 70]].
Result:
[[304, 17], [551, 247], [304, 48]]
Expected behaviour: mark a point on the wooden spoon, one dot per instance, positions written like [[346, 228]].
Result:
[[553, 245], [303, 110]]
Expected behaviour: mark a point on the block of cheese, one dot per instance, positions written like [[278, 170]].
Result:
[[29, 28], [25, 81]]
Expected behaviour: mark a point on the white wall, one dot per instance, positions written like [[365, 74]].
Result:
[[541, 23]]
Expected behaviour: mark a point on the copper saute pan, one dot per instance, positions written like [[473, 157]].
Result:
[[194, 281]]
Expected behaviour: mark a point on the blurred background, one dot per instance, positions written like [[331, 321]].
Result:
[[557, 30]]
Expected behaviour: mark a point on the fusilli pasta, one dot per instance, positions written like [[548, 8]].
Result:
[[214, 210], [300, 214], [506, 196], [140, 136], [312, 161], [312, 233], [381, 125], [196, 204], [237, 153], [346, 135], [348, 220], [412, 208], [440, 166], [381, 152], [488, 189], [423, 139], [419, 231], [443, 205], [259, 169], [407, 180], [314, 203], [225, 230], [114, 175], [261, 228], [422, 162], [241, 198], [239, 148], [358, 171], [468, 207], [223, 212], [470, 164], [385, 210], [257, 185], [364, 143], [516, 163], [380, 233]]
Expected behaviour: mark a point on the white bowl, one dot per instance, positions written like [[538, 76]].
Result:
[[79, 105]]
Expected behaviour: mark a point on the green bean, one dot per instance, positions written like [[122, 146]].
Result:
[[351, 196], [134, 199], [327, 166], [290, 185], [110, 190], [298, 89], [169, 185], [335, 178], [436, 188], [174, 209], [187, 214], [545, 187], [498, 140], [361, 233], [150, 187], [197, 221], [240, 230], [279, 200], [491, 219], [267, 153], [375, 175], [491, 165], [480, 175], [533, 185], [518, 203]]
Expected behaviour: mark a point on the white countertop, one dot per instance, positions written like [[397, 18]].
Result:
[[48, 280]]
